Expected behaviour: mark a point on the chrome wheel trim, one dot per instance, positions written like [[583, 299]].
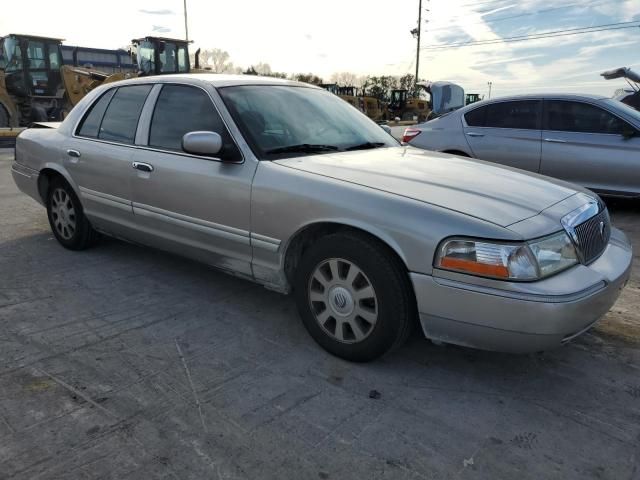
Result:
[[343, 300], [63, 214]]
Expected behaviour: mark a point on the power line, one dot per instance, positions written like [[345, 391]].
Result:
[[538, 36], [526, 14]]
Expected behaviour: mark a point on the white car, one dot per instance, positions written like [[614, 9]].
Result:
[[589, 140]]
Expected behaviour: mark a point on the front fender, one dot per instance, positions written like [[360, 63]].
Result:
[[284, 201], [373, 230]]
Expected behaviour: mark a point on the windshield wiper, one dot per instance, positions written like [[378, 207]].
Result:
[[303, 148], [366, 146]]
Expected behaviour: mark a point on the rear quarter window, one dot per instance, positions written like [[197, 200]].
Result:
[[476, 117], [90, 125]]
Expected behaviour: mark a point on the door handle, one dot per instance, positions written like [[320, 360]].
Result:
[[474, 134], [554, 140], [143, 167], [73, 153]]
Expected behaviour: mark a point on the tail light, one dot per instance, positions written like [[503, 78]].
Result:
[[410, 134]]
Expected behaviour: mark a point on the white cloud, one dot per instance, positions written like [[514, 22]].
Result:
[[361, 36]]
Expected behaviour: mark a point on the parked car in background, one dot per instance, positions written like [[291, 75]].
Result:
[[287, 185], [590, 140]]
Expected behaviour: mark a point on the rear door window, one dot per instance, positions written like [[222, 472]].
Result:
[[523, 114], [181, 109], [120, 121], [571, 116]]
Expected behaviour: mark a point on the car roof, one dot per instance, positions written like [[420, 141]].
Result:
[[538, 96], [218, 80], [559, 96]]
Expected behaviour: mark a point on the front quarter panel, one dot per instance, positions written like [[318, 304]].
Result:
[[286, 200]]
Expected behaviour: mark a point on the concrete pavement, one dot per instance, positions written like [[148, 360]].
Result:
[[127, 363]]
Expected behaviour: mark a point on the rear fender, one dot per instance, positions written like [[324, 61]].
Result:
[[43, 180]]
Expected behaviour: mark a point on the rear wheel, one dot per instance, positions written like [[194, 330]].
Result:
[[66, 217], [354, 297]]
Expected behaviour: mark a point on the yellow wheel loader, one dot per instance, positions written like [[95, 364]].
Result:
[[159, 55], [444, 97], [35, 86]]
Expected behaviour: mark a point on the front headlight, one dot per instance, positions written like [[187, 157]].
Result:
[[507, 261], [553, 253]]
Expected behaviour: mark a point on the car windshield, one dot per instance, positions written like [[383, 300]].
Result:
[[289, 121], [626, 109]]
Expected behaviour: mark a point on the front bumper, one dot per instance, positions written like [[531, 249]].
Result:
[[26, 179], [529, 317]]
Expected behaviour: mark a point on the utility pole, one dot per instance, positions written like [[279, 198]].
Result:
[[418, 36], [186, 27], [490, 84]]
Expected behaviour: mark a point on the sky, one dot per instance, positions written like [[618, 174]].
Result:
[[367, 37]]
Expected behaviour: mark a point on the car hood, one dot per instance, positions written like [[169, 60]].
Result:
[[498, 194]]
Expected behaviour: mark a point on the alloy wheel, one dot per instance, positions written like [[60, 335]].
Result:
[[63, 214], [343, 300]]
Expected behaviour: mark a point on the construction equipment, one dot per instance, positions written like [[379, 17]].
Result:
[[444, 97], [374, 108], [348, 94], [107, 61], [31, 86], [35, 86], [159, 55], [473, 98], [41, 80], [404, 106], [629, 96]]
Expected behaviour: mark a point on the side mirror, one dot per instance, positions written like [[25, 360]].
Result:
[[202, 143], [386, 128]]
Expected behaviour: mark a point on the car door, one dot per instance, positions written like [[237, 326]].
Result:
[[585, 144], [99, 154], [506, 132], [192, 204]]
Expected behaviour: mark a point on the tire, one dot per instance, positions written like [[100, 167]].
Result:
[[327, 290], [67, 220], [4, 117]]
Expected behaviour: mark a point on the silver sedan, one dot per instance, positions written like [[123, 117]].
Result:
[[286, 185], [590, 140]]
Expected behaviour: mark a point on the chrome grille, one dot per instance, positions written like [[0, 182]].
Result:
[[592, 236]]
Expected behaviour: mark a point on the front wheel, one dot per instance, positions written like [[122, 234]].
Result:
[[66, 217], [354, 297]]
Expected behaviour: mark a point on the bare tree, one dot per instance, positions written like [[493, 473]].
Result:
[[345, 79], [263, 69], [217, 60]]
